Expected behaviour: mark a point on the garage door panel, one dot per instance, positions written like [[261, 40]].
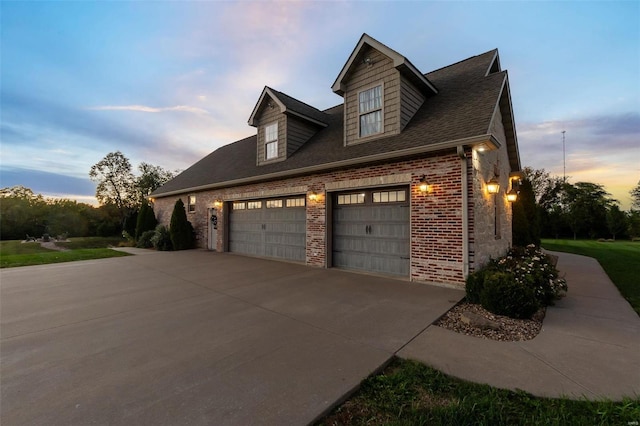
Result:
[[372, 236], [269, 232]]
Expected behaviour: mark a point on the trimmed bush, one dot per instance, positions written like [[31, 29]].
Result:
[[502, 295], [180, 229], [146, 239], [146, 220], [162, 239], [474, 286]]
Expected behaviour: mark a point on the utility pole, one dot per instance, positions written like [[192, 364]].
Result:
[[564, 163]]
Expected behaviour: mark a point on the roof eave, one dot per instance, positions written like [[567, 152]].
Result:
[[408, 152], [266, 91]]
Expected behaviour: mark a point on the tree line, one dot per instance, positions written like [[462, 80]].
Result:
[[120, 192], [551, 207]]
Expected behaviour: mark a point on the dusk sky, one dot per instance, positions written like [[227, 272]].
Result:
[[169, 82]]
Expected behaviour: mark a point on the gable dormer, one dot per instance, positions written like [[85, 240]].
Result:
[[382, 91], [284, 124]]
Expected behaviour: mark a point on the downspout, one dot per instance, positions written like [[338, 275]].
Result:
[[465, 211]]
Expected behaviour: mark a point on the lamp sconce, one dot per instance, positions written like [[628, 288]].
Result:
[[271, 105], [512, 195], [152, 200], [313, 196], [367, 61], [493, 186], [217, 204], [424, 186]]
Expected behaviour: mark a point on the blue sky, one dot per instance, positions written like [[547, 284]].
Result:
[[169, 82]]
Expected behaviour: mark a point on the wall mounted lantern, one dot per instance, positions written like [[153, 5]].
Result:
[[424, 185], [217, 204], [313, 196], [493, 186], [512, 195]]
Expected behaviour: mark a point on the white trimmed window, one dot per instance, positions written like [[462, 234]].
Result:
[[351, 199], [191, 203], [389, 196], [271, 141], [274, 204], [370, 111], [295, 202]]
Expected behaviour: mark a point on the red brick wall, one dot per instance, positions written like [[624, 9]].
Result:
[[436, 218]]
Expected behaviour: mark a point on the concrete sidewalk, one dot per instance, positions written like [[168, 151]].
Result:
[[589, 345]]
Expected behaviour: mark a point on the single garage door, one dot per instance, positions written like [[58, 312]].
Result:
[[371, 230], [273, 228]]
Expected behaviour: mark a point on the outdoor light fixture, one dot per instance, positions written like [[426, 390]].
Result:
[[512, 195], [493, 186], [313, 196], [424, 185], [217, 204]]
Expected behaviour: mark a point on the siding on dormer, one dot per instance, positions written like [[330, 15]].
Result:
[[411, 101], [268, 116], [298, 132], [365, 77]]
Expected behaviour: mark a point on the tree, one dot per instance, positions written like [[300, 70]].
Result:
[[526, 217], [151, 178], [146, 219], [635, 196], [180, 229], [116, 183], [616, 221], [588, 204], [22, 213]]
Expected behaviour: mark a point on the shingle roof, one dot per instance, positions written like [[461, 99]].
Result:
[[300, 108], [462, 109]]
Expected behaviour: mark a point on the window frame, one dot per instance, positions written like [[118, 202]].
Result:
[[191, 203], [372, 111], [270, 142]]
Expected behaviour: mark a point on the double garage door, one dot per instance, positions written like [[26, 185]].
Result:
[[371, 231], [273, 228]]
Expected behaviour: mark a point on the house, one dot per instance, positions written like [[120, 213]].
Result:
[[398, 179]]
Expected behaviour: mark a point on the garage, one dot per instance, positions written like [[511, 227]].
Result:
[[274, 228], [371, 230]]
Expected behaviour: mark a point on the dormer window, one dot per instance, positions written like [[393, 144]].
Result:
[[271, 141], [370, 111]]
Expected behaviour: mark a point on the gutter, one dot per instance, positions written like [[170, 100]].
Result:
[[465, 211], [423, 149]]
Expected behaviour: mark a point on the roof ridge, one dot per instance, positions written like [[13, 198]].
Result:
[[461, 61], [295, 99]]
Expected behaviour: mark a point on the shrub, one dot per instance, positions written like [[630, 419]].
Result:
[[146, 239], [502, 295], [162, 239], [181, 230], [146, 219], [474, 286]]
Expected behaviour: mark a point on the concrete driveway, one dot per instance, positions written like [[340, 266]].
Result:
[[196, 337]]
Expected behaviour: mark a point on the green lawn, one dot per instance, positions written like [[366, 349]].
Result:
[[410, 393], [16, 253], [619, 259]]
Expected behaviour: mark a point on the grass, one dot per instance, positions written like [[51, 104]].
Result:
[[619, 259], [16, 253], [410, 393]]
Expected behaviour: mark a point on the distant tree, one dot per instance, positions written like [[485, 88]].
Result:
[[616, 221], [588, 204], [116, 183], [146, 219], [22, 213], [635, 196], [180, 229], [526, 217], [151, 178], [633, 222]]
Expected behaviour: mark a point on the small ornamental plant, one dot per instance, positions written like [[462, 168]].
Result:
[[517, 284]]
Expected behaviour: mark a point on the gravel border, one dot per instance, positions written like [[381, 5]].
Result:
[[506, 329]]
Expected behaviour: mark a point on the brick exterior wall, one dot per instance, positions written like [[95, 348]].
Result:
[[436, 217]]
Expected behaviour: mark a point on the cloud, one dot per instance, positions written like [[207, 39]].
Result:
[[47, 183], [143, 108]]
